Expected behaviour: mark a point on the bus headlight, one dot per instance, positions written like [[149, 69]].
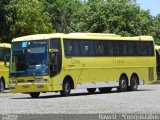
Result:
[[40, 80]]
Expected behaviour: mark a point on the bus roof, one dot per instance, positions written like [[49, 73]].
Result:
[[102, 36], [94, 34], [5, 45]]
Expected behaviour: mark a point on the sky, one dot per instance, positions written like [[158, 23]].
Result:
[[152, 5]]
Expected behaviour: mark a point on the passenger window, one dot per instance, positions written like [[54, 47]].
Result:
[[83, 49], [76, 48], [110, 48], [150, 49], [1, 54], [99, 48], [131, 48], [68, 47], [142, 50]]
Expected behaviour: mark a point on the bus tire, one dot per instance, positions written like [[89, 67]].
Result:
[[123, 84], [105, 90], [133, 83], [2, 85], [91, 90], [35, 94], [66, 88]]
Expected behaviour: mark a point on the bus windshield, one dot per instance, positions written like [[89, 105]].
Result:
[[29, 58]]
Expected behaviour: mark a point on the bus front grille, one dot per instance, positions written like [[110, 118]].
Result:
[[24, 81]]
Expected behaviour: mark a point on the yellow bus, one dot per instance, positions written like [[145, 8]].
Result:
[[61, 62], [158, 61], [4, 65]]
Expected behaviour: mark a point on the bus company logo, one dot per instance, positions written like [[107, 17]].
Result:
[[9, 117]]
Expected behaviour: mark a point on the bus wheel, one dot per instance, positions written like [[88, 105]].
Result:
[[133, 83], [123, 84], [66, 88], [35, 94], [91, 90], [1, 85], [105, 90]]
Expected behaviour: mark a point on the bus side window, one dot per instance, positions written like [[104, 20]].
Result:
[[1, 54], [71, 48], [87, 48], [110, 47], [131, 48], [116, 48], [7, 54], [150, 50], [91, 50], [123, 46], [99, 48], [83, 49], [142, 48], [76, 48], [68, 45]]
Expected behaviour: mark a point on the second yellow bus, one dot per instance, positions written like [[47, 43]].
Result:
[[4, 65]]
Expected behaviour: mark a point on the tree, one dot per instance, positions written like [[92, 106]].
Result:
[[5, 21], [89, 17], [156, 29], [126, 18], [61, 12], [122, 17], [29, 18]]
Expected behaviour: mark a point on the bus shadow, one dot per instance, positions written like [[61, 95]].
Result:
[[81, 94]]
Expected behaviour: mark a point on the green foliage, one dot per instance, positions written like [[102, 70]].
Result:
[[127, 19], [124, 17], [114, 16], [5, 21], [30, 18], [156, 31], [61, 12]]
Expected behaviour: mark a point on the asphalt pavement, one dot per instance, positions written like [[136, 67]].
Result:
[[144, 101]]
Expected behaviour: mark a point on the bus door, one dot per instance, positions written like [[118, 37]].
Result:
[[55, 57], [4, 64]]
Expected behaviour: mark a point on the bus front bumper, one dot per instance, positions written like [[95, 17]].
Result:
[[29, 87]]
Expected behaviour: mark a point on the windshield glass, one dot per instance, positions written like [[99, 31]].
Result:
[[29, 58]]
